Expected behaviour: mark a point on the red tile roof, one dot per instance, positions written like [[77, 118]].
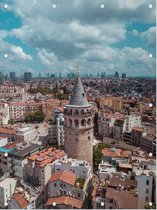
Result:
[[22, 202], [46, 156], [65, 176], [7, 130], [114, 152], [138, 129], [66, 200]]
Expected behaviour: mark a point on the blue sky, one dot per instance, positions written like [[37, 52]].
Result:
[[39, 38]]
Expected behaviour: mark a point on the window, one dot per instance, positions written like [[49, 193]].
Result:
[[79, 195], [147, 191], [55, 185], [147, 182], [146, 198]]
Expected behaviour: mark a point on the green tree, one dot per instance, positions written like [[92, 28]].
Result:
[[97, 155], [37, 116], [11, 121]]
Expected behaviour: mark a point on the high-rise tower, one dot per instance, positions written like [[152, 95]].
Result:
[[78, 124]]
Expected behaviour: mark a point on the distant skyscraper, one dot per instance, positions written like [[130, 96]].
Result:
[[123, 75], [2, 78], [12, 76], [27, 76], [78, 125], [116, 75]]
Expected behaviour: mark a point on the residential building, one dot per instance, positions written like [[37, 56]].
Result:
[[7, 188], [40, 165], [26, 134], [119, 192], [8, 132], [136, 135], [56, 128], [4, 114], [79, 167], [66, 183], [105, 124], [64, 202], [145, 180], [17, 159], [119, 128], [148, 143], [132, 121], [3, 141]]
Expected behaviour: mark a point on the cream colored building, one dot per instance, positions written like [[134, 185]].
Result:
[[4, 114], [7, 188]]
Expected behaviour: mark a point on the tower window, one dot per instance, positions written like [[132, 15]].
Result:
[[83, 94]]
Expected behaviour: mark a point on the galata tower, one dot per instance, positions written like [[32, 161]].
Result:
[[78, 124]]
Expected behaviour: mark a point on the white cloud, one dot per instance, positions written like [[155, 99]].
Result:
[[20, 53], [81, 32], [150, 36]]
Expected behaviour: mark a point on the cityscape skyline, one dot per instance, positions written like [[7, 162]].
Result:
[[102, 36]]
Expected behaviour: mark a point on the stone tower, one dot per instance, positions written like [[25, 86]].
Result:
[[78, 125]]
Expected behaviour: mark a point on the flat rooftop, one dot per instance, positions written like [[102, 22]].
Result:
[[6, 182], [25, 151]]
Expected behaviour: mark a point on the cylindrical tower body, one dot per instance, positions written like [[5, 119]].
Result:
[[78, 128], [78, 125]]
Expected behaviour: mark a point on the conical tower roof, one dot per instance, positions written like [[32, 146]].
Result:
[[78, 97]]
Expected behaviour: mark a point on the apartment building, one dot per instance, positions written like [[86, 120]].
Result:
[[119, 192], [136, 135], [17, 159], [7, 188], [4, 114], [145, 186], [132, 121], [66, 183], [21, 200], [148, 143], [79, 167], [40, 165], [56, 129], [119, 128], [8, 132], [105, 124], [3, 141], [17, 110], [26, 134]]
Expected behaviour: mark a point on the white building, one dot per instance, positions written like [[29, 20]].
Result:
[[7, 188], [145, 186], [68, 184], [17, 160], [56, 129], [27, 134], [4, 114], [79, 167], [17, 110], [3, 141], [132, 121]]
